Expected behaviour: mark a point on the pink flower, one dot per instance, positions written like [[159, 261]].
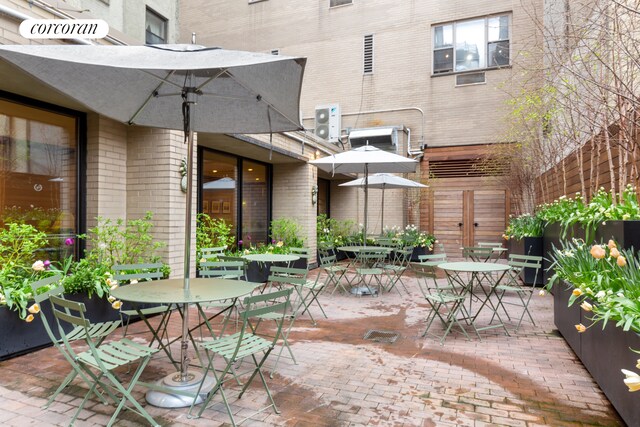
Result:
[[69, 241]]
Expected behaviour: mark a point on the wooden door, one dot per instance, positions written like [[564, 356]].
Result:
[[489, 213], [448, 225]]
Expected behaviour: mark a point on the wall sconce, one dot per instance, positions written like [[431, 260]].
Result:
[[183, 173], [314, 194]]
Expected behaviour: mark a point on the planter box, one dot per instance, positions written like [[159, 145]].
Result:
[[604, 353], [258, 272], [625, 233], [528, 246], [565, 318], [417, 251], [18, 337], [552, 238]]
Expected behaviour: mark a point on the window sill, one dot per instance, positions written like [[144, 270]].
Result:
[[477, 70]]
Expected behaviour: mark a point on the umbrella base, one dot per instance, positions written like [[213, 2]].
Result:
[[171, 384], [363, 290]]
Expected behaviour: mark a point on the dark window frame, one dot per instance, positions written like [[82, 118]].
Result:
[[148, 34]]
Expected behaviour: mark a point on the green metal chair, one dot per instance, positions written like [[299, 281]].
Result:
[[514, 286], [133, 273], [99, 362], [224, 270], [245, 344], [238, 259], [395, 270], [445, 301], [477, 254], [212, 253], [370, 271], [304, 254], [334, 271], [97, 332]]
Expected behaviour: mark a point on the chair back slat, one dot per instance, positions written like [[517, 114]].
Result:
[[301, 252], [69, 306], [35, 286], [226, 269], [142, 271]]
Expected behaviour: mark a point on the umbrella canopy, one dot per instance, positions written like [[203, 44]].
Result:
[[384, 181], [237, 92], [366, 159], [188, 87]]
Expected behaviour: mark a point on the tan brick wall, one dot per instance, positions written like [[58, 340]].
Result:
[[292, 184]]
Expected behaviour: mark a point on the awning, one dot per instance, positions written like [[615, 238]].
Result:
[[371, 133]]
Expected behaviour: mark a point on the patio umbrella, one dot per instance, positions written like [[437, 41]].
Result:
[[366, 159], [188, 87], [384, 181]]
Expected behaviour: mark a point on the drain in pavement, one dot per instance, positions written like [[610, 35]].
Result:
[[381, 336]]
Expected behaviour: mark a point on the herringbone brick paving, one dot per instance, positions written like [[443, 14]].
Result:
[[531, 378]]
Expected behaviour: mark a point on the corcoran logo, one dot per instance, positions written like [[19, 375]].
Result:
[[64, 29]]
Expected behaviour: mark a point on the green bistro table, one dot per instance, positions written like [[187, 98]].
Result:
[[471, 276], [263, 263], [170, 391]]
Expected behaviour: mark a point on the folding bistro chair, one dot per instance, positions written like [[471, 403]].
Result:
[[496, 248], [304, 254], [401, 259], [223, 270], [238, 259], [370, 270], [99, 362], [446, 301], [211, 254], [334, 271], [97, 332], [514, 285], [477, 254], [133, 273], [244, 344]]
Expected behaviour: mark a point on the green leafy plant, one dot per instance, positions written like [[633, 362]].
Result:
[[119, 242], [86, 277], [213, 232], [287, 231], [606, 281], [412, 236], [525, 225], [332, 232]]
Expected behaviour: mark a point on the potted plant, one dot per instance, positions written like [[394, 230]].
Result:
[[605, 289], [524, 237], [421, 242]]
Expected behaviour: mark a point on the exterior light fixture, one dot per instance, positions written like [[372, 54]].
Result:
[[314, 194]]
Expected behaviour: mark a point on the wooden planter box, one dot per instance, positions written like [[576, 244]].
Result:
[[602, 352], [18, 337], [528, 246]]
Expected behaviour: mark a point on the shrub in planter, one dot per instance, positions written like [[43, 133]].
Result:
[[524, 237]]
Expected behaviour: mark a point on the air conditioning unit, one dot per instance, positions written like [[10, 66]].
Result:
[[327, 122]]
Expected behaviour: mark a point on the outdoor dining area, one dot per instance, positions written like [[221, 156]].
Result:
[[294, 349]]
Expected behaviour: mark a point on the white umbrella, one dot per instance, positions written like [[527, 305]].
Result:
[[189, 87], [384, 181], [364, 160]]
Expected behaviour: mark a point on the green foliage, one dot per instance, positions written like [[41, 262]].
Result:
[[287, 231], [19, 242], [412, 236], [525, 225], [609, 278], [117, 242], [87, 277], [45, 220], [212, 233]]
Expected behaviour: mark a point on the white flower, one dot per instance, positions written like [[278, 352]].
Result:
[[38, 266], [542, 292], [632, 380], [133, 281], [600, 295]]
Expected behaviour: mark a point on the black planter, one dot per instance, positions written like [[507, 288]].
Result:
[[300, 263], [528, 246], [566, 318], [604, 354], [419, 250], [553, 237], [18, 337], [258, 272], [625, 233]]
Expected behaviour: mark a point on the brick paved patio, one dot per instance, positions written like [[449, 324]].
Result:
[[529, 379]]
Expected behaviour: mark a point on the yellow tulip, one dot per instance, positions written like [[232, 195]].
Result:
[[632, 380], [586, 306], [614, 253], [577, 292], [621, 261], [29, 318], [612, 244], [581, 328], [34, 309], [116, 305]]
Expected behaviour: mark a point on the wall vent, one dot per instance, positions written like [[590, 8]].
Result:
[[470, 79], [466, 168], [368, 54]]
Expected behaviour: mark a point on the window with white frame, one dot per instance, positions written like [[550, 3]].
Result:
[[471, 44], [155, 28]]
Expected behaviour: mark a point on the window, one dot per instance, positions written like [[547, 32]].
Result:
[[333, 3], [39, 158], [368, 54], [236, 190], [156, 28], [471, 45]]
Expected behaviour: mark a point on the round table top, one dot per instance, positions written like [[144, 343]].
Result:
[[172, 290], [473, 267], [271, 257], [359, 248]]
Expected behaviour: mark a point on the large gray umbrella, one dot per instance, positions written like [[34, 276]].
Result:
[[384, 181], [366, 159], [189, 87]]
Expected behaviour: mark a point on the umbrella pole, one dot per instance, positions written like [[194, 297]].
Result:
[[366, 200], [382, 209]]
